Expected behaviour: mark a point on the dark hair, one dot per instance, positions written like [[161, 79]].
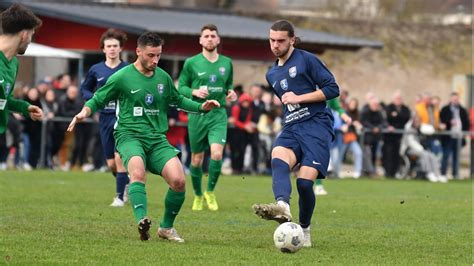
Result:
[[17, 18], [113, 34], [210, 27], [285, 25], [149, 38]]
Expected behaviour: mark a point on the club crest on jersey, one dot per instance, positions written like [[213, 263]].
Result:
[[292, 71], [160, 88], [212, 78], [149, 99], [8, 87], [222, 71], [284, 84]]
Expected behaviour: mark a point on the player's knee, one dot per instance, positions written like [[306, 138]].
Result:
[[137, 175], [216, 155], [178, 184], [196, 159]]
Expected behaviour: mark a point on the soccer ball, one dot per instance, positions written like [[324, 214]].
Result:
[[288, 237]]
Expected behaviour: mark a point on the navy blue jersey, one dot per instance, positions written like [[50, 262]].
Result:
[[96, 78], [302, 73]]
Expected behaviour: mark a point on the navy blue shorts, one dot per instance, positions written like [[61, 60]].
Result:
[[311, 141], [106, 124]]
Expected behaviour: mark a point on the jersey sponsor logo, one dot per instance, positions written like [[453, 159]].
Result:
[[135, 91], [160, 87], [212, 78], [149, 99], [137, 111], [292, 107], [100, 79], [292, 71], [284, 84], [222, 71], [201, 73]]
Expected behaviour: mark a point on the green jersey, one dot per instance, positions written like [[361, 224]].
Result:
[[142, 102], [8, 71], [198, 73]]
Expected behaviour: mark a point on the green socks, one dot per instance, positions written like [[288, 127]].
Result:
[[173, 202], [137, 196], [214, 173], [318, 182], [196, 176]]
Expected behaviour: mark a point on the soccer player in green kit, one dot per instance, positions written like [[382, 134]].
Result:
[[207, 75], [144, 93], [18, 26]]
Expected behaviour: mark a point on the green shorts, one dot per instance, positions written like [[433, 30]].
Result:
[[207, 129], [154, 150]]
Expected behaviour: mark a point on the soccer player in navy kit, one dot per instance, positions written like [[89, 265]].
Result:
[[303, 84], [111, 43]]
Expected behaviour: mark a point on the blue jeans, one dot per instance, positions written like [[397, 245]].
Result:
[[451, 149], [356, 151]]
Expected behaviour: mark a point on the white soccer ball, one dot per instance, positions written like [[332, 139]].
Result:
[[288, 237]]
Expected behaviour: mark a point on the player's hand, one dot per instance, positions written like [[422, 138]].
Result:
[[201, 93], [290, 98], [209, 105], [83, 114], [231, 96], [35, 112], [347, 119]]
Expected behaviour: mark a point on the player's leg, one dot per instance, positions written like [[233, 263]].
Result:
[[106, 123], [283, 160], [137, 194], [314, 136], [215, 167], [132, 152], [217, 137], [174, 175], [162, 159], [122, 178], [307, 199], [197, 131], [196, 178]]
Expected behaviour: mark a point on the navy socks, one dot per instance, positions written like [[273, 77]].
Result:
[[307, 201], [281, 180]]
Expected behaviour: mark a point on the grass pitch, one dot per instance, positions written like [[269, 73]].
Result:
[[64, 218]]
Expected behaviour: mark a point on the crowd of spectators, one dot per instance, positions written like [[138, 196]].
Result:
[[376, 142]]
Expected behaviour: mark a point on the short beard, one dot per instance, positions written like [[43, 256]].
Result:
[[210, 50]]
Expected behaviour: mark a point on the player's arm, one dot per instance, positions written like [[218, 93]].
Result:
[[322, 77], [25, 108], [231, 95], [186, 83], [176, 98], [88, 85], [185, 80], [336, 106], [102, 96]]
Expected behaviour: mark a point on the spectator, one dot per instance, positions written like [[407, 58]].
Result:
[[268, 127], [244, 128], [411, 146], [429, 114], [68, 106], [61, 84], [398, 115], [258, 108], [33, 130], [350, 137], [373, 120], [454, 119]]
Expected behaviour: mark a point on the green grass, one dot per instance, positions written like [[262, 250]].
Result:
[[58, 218]]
